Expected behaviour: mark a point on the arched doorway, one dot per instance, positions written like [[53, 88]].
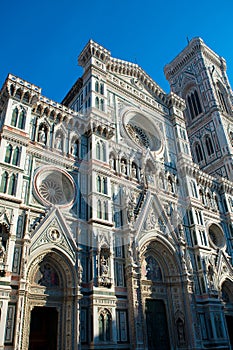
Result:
[[50, 313], [162, 297]]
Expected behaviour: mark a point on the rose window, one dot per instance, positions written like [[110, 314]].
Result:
[[138, 135], [51, 191], [216, 236], [54, 186]]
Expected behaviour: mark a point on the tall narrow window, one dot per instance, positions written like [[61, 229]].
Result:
[[209, 145], [4, 182], [15, 160], [222, 95], [99, 210], [102, 104], [12, 185], [102, 88], [194, 104], [8, 154], [98, 184], [14, 118], [98, 150], [102, 152], [22, 119], [84, 146], [97, 86], [104, 188], [108, 327], [199, 153], [101, 327], [106, 210], [97, 102]]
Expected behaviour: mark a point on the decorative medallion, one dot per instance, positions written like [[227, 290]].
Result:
[[54, 235]]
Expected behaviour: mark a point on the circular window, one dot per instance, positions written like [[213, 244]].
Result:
[[216, 236], [54, 186]]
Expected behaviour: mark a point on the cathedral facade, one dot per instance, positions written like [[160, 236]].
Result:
[[116, 208]]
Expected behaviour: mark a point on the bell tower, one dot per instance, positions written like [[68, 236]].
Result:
[[198, 75]]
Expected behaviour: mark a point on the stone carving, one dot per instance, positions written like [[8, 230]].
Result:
[[42, 135], [2, 251]]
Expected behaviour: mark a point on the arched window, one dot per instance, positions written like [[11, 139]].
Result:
[[104, 187], [97, 102], [105, 326], [194, 104], [108, 327], [209, 145], [101, 327], [12, 185], [15, 160], [4, 182], [106, 210], [98, 184], [102, 104], [14, 118], [98, 150], [8, 154], [198, 151], [97, 86], [22, 119], [222, 95], [99, 210], [102, 89], [103, 153]]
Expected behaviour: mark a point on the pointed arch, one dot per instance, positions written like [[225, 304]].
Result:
[[16, 156], [4, 182], [12, 184], [14, 117], [8, 154]]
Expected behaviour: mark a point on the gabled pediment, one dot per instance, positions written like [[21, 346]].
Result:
[[153, 220], [53, 232]]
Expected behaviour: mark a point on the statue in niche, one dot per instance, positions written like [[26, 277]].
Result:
[[103, 266], [42, 135], [153, 271], [2, 250], [75, 149], [134, 171], [180, 331], [58, 142], [123, 167], [111, 162], [132, 201], [105, 279]]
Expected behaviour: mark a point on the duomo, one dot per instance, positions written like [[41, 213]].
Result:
[[116, 208]]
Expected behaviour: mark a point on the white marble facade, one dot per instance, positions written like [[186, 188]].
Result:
[[116, 208]]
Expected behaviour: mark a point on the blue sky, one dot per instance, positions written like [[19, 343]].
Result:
[[41, 40]]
